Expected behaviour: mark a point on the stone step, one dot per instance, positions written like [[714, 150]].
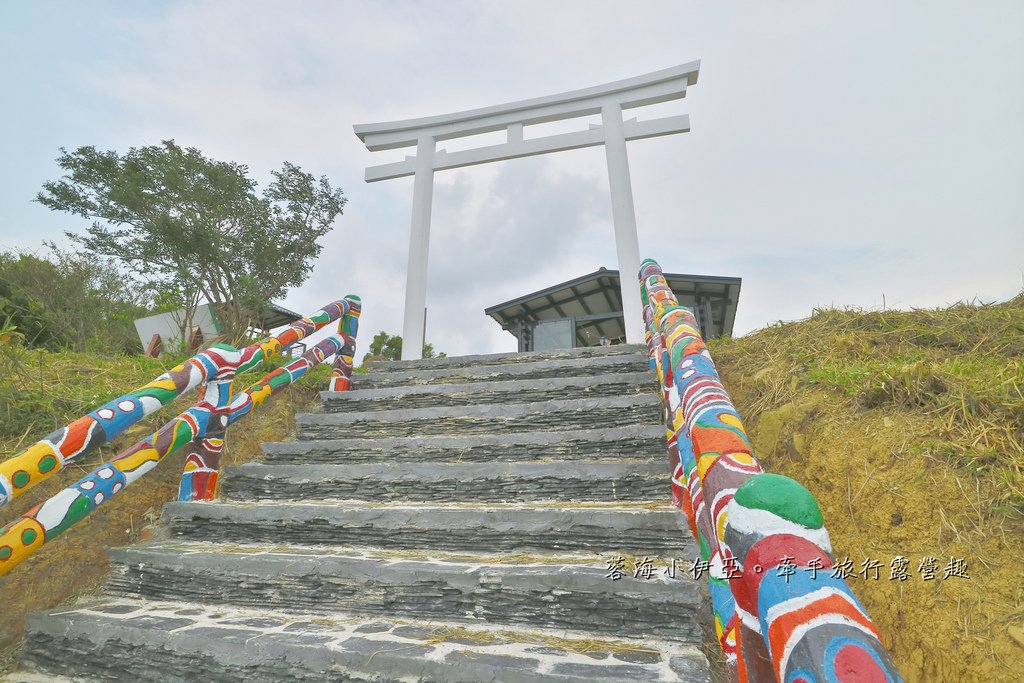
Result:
[[41, 677], [603, 530], [478, 360], [508, 369], [498, 482], [585, 413], [644, 442], [177, 641], [570, 593], [488, 393]]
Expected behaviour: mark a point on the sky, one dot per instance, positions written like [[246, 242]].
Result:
[[843, 154]]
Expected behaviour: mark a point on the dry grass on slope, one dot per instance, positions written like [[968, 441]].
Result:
[[909, 429]]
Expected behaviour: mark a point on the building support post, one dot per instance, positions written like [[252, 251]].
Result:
[[624, 218], [414, 325]]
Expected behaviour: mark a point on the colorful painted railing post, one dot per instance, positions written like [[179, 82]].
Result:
[[62, 447], [348, 326], [202, 464], [659, 363], [702, 508], [802, 622], [44, 522], [779, 613]]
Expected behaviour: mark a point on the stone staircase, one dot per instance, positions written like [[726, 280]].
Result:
[[449, 520]]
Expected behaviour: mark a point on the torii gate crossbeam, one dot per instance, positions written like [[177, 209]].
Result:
[[608, 100]]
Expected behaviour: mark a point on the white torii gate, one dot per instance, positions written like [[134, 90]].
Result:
[[609, 100]]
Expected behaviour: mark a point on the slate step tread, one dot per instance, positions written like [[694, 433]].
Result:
[[170, 641], [513, 357], [570, 592], [488, 392], [509, 409], [569, 367], [604, 530], [609, 480], [559, 415], [35, 677], [640, 441]]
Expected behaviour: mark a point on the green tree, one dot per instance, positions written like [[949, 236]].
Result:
[[389, 347], [70, 300], [195, 226]]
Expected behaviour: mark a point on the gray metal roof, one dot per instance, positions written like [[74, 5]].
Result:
[[277, 316], [272, 316], [598, 293]]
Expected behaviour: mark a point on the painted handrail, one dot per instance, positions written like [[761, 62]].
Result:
[[348, 326], [53, 453], [779, 613], [202, 464], [45, 521]]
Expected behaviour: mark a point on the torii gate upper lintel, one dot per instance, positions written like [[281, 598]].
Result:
[[608, 100]]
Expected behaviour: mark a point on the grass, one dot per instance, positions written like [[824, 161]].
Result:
[[963, 366], [42, 391]]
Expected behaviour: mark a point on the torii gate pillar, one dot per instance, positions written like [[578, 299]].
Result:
[[627, 245], [415, 319], [609, 100]]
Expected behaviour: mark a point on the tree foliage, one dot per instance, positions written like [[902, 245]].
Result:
[[195, 226], [69, 300], [389, 347]]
